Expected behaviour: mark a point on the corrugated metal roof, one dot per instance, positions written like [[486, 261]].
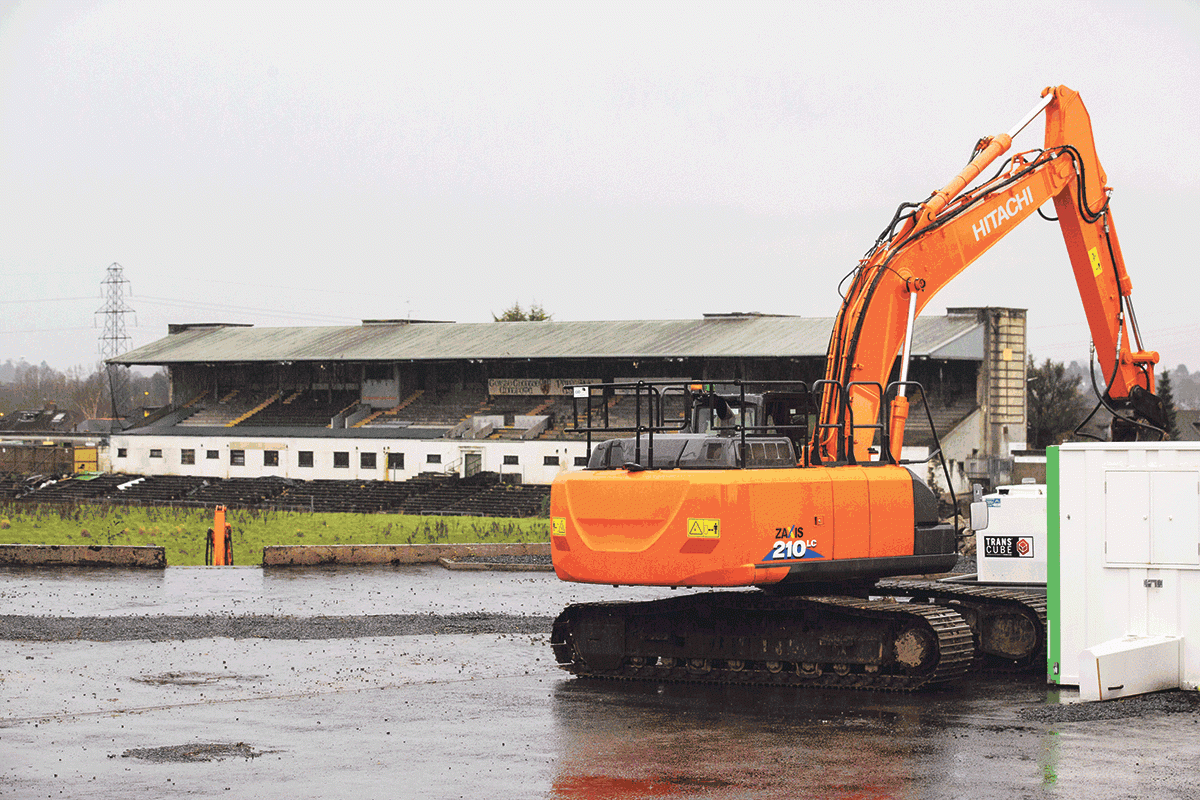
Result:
[[713, 337]]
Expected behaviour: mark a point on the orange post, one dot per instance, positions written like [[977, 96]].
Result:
[[220, 551]]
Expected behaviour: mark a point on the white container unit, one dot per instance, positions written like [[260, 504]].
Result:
[[1124, 569], [1010, 539]]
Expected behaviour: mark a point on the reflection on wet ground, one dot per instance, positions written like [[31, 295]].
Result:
[[326, 591], [644, 740], [741, 741]]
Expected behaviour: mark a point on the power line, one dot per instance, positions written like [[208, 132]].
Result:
[[46, 300], [321, 290], [49, 330]]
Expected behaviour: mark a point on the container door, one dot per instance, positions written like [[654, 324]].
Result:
[[1127, 517]]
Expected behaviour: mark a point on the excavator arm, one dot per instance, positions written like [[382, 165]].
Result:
[[930, 243]]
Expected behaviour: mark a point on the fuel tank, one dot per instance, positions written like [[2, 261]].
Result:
[[741, 527]]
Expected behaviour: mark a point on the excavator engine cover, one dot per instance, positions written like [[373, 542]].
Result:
[[746, 527]]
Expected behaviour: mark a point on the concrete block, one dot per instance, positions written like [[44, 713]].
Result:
[[51, 555], [1128, 666]]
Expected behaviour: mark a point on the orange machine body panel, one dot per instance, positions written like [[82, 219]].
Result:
[[727, 527]]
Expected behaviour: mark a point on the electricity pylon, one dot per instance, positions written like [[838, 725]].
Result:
[[115, 341]]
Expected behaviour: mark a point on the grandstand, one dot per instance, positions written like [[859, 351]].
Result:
[[388, 401]]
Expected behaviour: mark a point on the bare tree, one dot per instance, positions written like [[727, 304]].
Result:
[[88, 393]]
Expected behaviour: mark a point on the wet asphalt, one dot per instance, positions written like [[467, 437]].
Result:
[[425, 683]]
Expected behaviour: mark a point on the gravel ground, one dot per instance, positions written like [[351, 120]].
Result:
[[1171, 702], [178, 629], [515, 559], [249, 606], [160, 628]]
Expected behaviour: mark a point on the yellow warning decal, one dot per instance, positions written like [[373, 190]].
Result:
[[1094, 255], [704, 528], [558, 526]]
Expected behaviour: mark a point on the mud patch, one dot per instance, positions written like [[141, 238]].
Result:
[[195, 678], [192, 753], [607, 786], [696, 783], [260, 626]]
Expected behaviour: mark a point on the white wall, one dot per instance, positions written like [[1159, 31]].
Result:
[[965, 441], [531, 457]]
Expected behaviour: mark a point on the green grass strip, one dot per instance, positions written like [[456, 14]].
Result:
[[182, 531]]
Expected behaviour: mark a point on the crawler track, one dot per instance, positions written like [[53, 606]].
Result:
[[1009, 625], [750, 637]]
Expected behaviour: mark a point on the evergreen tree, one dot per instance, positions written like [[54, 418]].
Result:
[[515, 313], [1166, 395], [1055, 404]]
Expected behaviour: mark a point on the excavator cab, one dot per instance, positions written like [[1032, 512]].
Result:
[[721, 414], [721, 425], [771, 412]]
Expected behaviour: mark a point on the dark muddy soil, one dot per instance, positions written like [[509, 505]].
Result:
[[158, 629]]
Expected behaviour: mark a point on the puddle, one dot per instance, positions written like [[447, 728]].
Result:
[[195, 678], [195, 752]]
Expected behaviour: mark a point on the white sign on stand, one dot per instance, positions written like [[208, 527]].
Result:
[[1011, 548]]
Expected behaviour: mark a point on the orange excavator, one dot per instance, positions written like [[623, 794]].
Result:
[[800, 491]]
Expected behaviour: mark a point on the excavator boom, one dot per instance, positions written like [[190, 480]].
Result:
[[925, 249]]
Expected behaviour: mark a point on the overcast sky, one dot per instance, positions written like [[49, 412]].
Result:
[[326, 162]]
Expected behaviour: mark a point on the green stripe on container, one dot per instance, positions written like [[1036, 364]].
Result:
[[1053, 596]]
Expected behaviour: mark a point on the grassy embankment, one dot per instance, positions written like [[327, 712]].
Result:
[[182, 531]]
